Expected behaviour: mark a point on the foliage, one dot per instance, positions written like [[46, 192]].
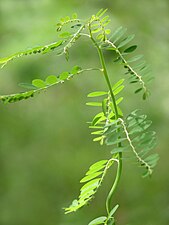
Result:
[[123, 134]]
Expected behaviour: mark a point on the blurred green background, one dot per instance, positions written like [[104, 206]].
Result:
[[45, 143]]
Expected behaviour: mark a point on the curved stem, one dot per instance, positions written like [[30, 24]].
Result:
[[119, 155], [115, 184]]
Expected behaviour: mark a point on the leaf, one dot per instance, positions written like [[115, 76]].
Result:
[[98, 139], [91, 184], [65, 35], [130, 49], [74, 16], [117, 84], [101, 12], [126, 41], [100, 36], [64, 76], [105, 106], [51, 80], [98, 164], [135, 58], [118, 101], [96, 30], [118, 33], [96, 118], [35, 50], [113, 211], [112, 140], [94, 103], [90, 177], [138, 90], [96, 94], [118, 90], [97, 167], [146, 95], [38, 83], [28, 86], [142, 127], [99, 132], [106, 18], [107, 31], [99, 220], [117, 150], [75, 70]]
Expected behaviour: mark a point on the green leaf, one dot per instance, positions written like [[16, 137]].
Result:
[[51, 80], [99, 132], [96, 118], [113, 211], [96, 30], [90, 177], [101, 12], [138, 90], [146, 95], [97, 167], [39, 49], [97, 94], [130, 49], [98, 138], [100, 36], [28, 86], [141, 127], [126, 41], [118, 101], [98, 164], [104, 106], [113, 138], [117, 84], [99, 220], [74, 16], [75, 70], [107, 31], [117, 150], [118, 90], [64, 76], [106, 18], [38, 83], [94, 103], [91, 184], [135, 58], [118, 33], [115, 33]]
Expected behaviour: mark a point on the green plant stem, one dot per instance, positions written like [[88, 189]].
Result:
[[115, 184], [119, 155], [119, 168]]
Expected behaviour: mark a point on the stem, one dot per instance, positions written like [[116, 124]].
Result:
[[119, 168], [115, 184], [119, 155]]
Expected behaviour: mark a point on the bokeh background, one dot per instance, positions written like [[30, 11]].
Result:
[[45, 143]]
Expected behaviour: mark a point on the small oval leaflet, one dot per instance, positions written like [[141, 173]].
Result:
[[51, 80], [27, 86], [94, 103], [39, 83], [90, 177], [126, 40], [96, 94], [99, 220], [130, 49]]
